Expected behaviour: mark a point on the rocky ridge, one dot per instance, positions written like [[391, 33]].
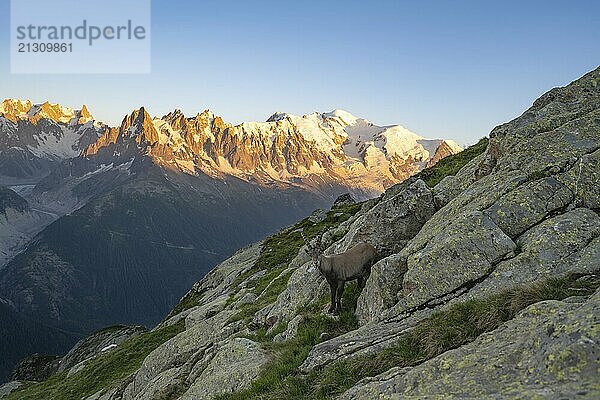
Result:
[[548, 350]]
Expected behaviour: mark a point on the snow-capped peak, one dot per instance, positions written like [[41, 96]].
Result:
[[14, 109], [54, 133], [55, 112], [344, 116]]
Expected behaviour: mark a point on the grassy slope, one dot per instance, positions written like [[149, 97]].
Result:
[[441, 332], [102, 372], [109, 369], [451, 165]]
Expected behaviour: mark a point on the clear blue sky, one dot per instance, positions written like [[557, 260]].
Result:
[[450, 69]]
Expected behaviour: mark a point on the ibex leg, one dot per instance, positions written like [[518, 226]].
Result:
[[333, 288], [339, 294], [361, 283]]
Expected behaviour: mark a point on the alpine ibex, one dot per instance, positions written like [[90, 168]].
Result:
[[353, 264]]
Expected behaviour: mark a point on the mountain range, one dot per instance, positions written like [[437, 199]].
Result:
[[106, 225], [286, 148]]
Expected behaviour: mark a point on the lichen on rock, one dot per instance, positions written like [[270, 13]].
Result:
[[550, 350]]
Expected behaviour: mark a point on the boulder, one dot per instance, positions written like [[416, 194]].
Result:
[[381, 289], [305, 286], [582, 179], [233, 368], [365, 340], [520, 209], [345, 199], [550, 350], [567, 243], [466, 251], [168, 367], [391, 223], [198, 336]]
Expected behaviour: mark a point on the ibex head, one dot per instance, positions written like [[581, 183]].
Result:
[[314, 249]]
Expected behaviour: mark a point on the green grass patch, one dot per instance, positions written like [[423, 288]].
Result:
[[281, 372], [450, 165], [269, 296], [116, 328], [262, 336], [443, 331], [102, 372]]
